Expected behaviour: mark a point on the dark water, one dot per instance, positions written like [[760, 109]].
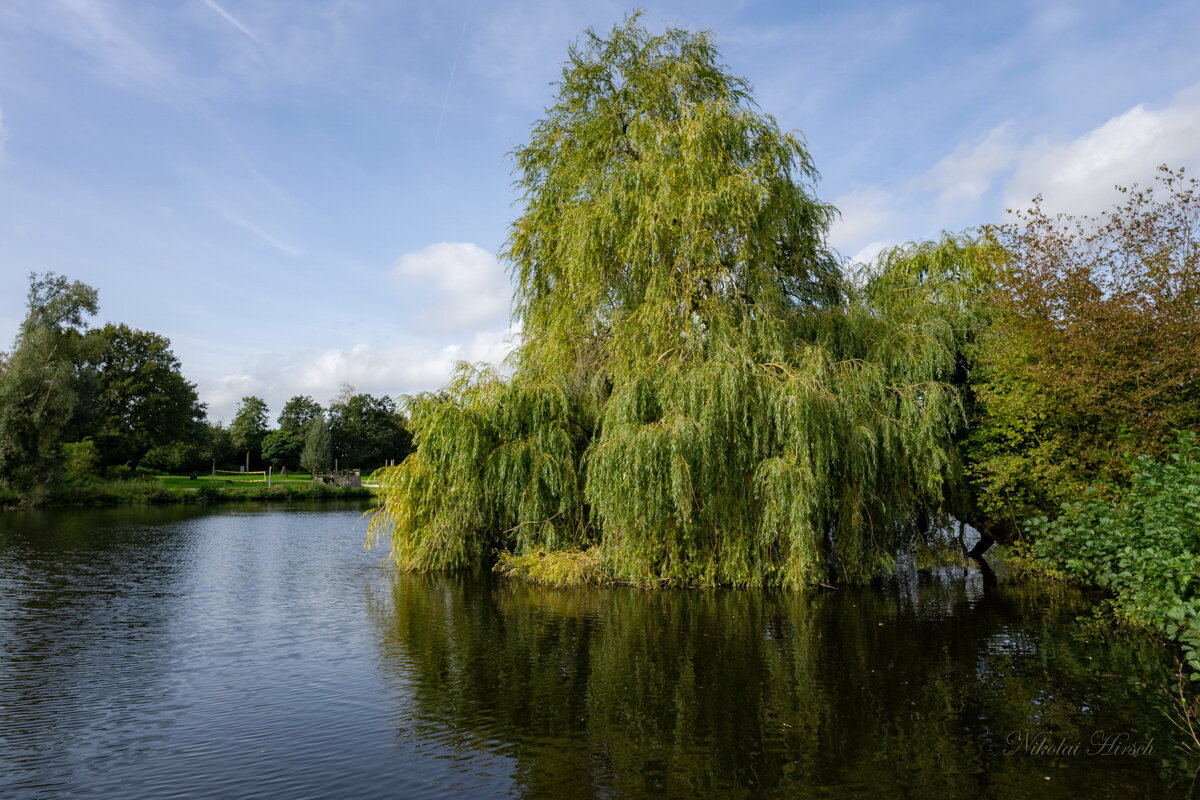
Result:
[[263, 653]]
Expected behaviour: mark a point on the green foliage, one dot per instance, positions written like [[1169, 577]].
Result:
[[698, 395], [282, 448], [208, 493], [1092, 350], [58, 304], [493, 455], [218, 446], [81, 459], [249, 425], [555, 568], [367, 431], [297, 412], [1143, 544], [38, 388], [317, 455], [947, 288], [180, 456], [125, 486], [125, 472], [134, 397], [116, 390]]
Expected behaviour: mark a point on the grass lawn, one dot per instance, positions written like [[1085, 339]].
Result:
[[220, 480], [207, 488]]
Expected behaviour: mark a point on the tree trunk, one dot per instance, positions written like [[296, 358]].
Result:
[[981, 547]]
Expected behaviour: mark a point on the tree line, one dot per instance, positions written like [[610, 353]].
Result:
[[356, 431], [79, 401]]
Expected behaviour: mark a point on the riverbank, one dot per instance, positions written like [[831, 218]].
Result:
[[108, 494]]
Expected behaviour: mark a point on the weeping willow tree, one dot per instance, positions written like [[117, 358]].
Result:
[[700, 396]]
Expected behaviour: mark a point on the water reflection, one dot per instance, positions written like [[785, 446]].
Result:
[[914, 688], [151, 653]]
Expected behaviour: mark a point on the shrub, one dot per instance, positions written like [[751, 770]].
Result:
[[1143, 545], [175, 457], [119, 472], [81, 459], [207, 493], [141, 473], [1092, 350]]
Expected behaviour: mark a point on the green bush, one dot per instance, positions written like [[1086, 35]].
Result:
[[1090, 352], [9, 498], [119, 472], [176, 457], [81, 459], [207, 493], [1143, 546], [145, 474]]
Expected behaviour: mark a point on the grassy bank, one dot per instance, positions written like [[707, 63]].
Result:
[[171, 489]]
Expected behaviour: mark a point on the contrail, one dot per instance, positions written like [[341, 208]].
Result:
[[230, 18], [453, 67]]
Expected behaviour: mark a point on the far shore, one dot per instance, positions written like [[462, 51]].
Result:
[[183, 489]]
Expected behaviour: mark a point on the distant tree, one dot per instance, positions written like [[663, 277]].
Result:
[[282, 448], [135, 396], [297, 413], [37, 388], [367, 431], [317, 456], [249, 426], [220, 452]]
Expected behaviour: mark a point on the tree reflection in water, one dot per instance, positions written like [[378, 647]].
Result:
[[921, 686]]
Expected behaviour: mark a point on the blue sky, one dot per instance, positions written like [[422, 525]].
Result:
[[306, 194]]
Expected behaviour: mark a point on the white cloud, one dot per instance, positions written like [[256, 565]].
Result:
[[1073, 175], [868, 252], [387, 370], [865, 214], [965, 175], [1078, 176], [469, 286], [949, 195]]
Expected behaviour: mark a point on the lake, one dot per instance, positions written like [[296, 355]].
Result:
[[261, 652]]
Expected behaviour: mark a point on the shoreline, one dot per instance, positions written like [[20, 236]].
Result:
[[111, 494]]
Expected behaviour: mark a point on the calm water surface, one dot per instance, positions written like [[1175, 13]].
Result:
[[161, 653]]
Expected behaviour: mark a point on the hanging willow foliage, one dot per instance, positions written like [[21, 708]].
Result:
[[700, 395]]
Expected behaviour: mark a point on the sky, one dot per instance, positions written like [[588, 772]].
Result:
[[302, 195]]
